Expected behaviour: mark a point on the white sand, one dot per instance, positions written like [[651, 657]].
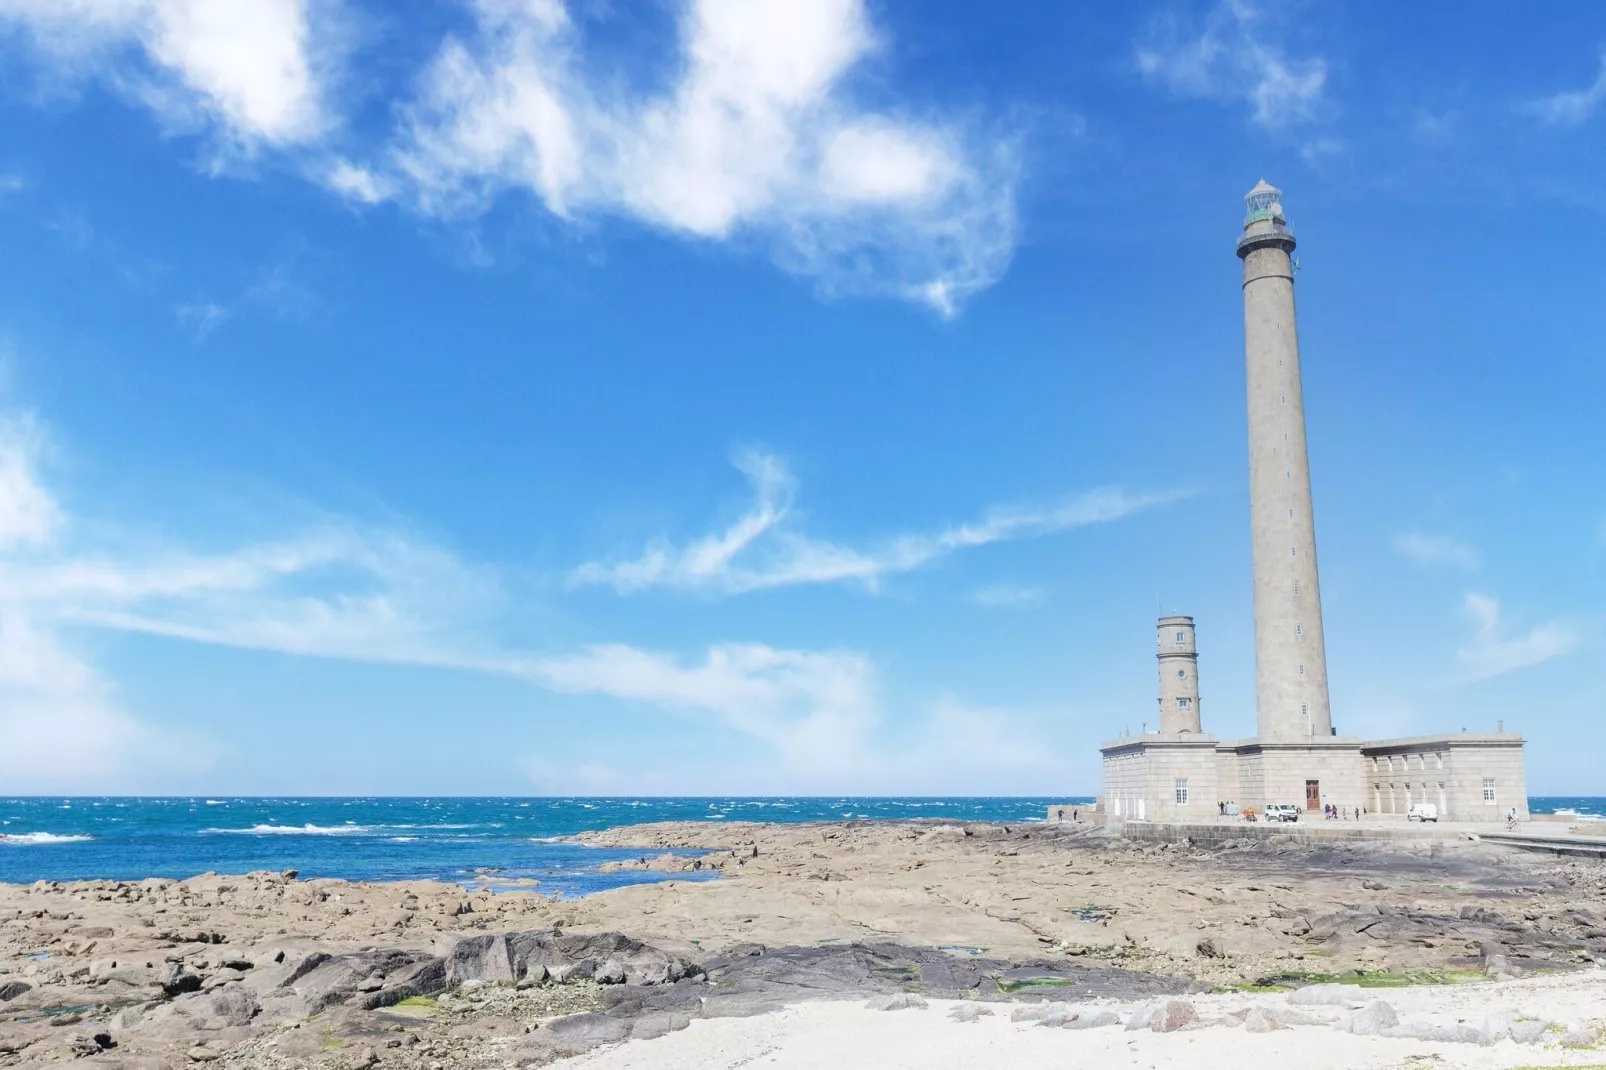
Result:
[[833, 1036]]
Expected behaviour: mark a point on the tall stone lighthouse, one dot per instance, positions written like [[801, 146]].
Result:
[[1290, 653]]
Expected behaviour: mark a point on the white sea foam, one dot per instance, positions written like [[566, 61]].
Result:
[[23, 839], [295, 830]]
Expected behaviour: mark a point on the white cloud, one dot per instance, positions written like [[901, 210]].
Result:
[[754, 138], [760, 550], [1437, 550], [202, 317], [1489, 654], [981, 750], [1235, 57], [60, 725], [758, 138], [256, 69], [1008, 595], [814, 709], [345, 592], [1574, 106], [29, 516], [819, 718], [357, 183]]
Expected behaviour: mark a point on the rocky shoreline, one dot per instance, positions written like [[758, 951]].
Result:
[[267, 970]]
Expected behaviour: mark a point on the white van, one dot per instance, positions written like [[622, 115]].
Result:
[[1423, 812], [1281, 812]]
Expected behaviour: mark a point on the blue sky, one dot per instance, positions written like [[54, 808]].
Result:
[[695, 396]]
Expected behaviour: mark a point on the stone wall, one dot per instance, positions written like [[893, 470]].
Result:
[[1468, 777], [1143, 778]]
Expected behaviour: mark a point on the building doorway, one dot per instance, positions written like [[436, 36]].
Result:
[[1313, 794]]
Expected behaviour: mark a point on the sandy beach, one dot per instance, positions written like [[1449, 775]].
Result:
[[808, 924]]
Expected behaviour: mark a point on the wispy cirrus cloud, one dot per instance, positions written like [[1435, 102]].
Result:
[[1437, 550], [201, 318], [815, 709], [1236, 55], [29, 515], [1492, 653], [763, 550], [1008, 595], [820, 716], [341, 590], [1574, 106]]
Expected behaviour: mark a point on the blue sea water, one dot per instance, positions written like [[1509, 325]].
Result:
[[490, 842]]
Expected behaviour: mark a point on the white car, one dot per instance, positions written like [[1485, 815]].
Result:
[[1423, 812], [1281, 812]]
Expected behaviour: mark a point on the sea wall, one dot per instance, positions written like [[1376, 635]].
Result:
[[1156, 832]]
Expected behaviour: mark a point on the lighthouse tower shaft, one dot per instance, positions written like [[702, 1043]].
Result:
[[1290, 651]]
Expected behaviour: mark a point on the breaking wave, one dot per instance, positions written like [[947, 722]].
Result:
[[21, 839]]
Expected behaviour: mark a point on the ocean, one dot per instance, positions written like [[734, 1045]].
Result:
[[476, 842]]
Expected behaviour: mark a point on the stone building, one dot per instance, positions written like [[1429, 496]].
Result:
[[1297, 756]]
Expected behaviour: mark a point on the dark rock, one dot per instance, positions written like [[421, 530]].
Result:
[[651, 1026], [573, 1034], [741, 1005], [177, 978], [480, 958], [339, 978], [610, 958], [1208, 948], [425, 977], [235, 1004], [13, 989]]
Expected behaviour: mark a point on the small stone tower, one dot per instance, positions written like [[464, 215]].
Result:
[[1179, 676]]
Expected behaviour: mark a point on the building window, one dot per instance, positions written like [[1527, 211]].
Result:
[[1181, 638], [1182, 674], [1182, 702], [1290, 512], [1488, 791], [1304, 709], [1299, 629], [1293, 551], [1438, 761], [1182, 791], [1302, 670], [1296, 590]]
